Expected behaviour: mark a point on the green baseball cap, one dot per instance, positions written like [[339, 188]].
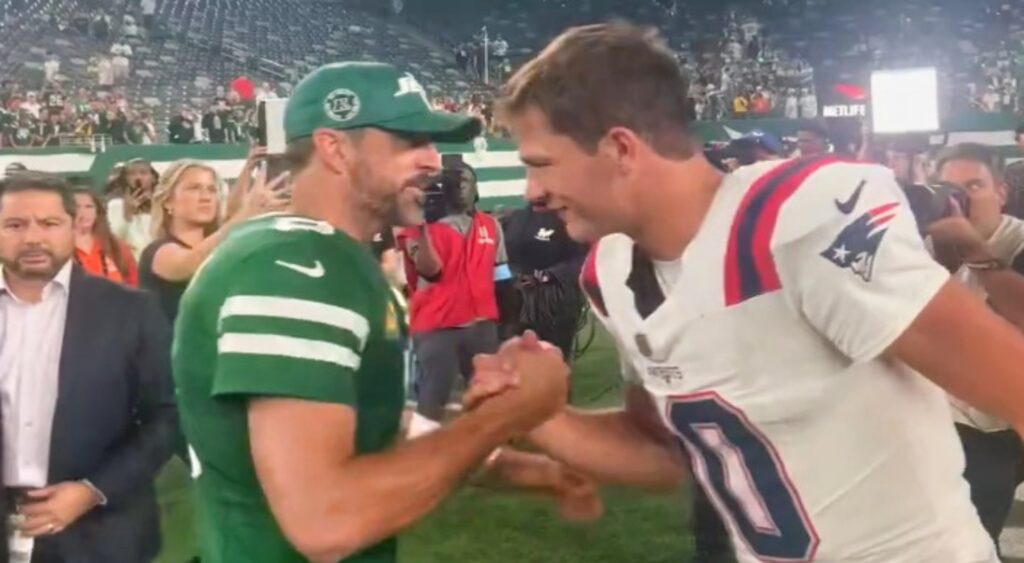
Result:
[[353, 95]]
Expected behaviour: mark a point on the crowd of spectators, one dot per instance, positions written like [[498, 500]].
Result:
[[748, 70], [98, 107], [472, 57], [479, 105], [745, 74], [996, 84], [60, 115]]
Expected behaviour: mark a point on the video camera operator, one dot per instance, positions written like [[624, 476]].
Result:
[[546, 264], [985, 249], [456, 262]]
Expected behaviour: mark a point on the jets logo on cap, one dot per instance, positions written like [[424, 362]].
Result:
[[409, 85], [342, 105]]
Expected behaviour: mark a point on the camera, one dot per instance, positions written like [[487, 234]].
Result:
[[935, 201], [447, 185], [435, 198]]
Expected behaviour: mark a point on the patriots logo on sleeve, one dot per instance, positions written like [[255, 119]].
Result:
[[857, 245]]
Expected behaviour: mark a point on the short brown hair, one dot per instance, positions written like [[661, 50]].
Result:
[[31, 181], [299, 152], [984, 155], [595, 77]]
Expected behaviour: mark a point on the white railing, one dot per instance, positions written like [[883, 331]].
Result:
[[96, 143]]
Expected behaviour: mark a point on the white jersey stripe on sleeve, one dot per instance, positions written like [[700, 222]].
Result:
[[287, 346], [296, 309]]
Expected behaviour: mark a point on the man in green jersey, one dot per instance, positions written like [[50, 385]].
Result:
[[286, 352]]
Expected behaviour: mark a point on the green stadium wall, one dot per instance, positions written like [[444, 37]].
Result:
[[502, 176]]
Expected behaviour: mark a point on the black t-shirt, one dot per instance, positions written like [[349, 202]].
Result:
[[7, 120], [537, 240], [52, 132], [118, 127], [216, 125], [167, 292], [181, 130], [54, 102], [22, 134]]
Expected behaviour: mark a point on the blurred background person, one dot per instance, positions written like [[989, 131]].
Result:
[[756, 146], [97, 250], [187, 227], [1015, 178], [456, 263], [545, 266], [130, 204], [89, 414], [812, 140], [987, 249]]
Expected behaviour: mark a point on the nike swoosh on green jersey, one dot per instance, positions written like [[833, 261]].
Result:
[[314, 271]]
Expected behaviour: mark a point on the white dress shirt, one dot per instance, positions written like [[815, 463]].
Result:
[[31, 339]]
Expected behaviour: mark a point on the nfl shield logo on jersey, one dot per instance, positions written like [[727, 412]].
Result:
[[857, 245]]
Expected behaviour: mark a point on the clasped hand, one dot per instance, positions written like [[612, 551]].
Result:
[[527, 379]]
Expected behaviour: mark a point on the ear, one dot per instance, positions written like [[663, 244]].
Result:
[[336, 151], [622, 146], [1003, 191]]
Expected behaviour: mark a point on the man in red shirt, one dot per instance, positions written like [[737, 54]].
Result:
[[454, 266]]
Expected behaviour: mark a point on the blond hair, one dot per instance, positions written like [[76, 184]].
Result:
[[165, 190]]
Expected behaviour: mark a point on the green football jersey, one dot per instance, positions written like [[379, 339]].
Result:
[[288, 307]]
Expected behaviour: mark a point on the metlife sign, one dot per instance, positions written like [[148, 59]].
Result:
[[845, 110]]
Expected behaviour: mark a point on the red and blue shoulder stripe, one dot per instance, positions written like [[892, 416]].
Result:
[[749, 266]]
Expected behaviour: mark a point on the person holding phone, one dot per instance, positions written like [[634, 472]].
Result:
[[187, 226], [130, 206]]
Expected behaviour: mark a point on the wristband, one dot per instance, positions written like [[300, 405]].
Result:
[[986, 266]]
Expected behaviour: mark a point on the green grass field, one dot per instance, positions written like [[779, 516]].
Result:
[[482, 525]]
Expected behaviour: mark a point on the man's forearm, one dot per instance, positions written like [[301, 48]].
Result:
[[612, 448], [426, 259], [374, 496]]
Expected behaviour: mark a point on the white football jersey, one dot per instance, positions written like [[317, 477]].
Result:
[[765, 359]]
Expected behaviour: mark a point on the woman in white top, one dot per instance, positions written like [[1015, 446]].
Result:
[[129, 208]]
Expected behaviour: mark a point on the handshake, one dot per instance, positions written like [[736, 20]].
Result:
[[525, 383]]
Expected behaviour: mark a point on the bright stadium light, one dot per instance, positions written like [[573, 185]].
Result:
[[905, 101]]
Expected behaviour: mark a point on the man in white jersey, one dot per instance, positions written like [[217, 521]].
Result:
[[784, 323]]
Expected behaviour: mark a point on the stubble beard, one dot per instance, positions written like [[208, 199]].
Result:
[[377, 209], [14, 267]]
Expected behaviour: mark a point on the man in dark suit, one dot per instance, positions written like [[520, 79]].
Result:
[[89, 416]]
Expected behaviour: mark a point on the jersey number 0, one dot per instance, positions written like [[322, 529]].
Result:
[[746, 478]]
